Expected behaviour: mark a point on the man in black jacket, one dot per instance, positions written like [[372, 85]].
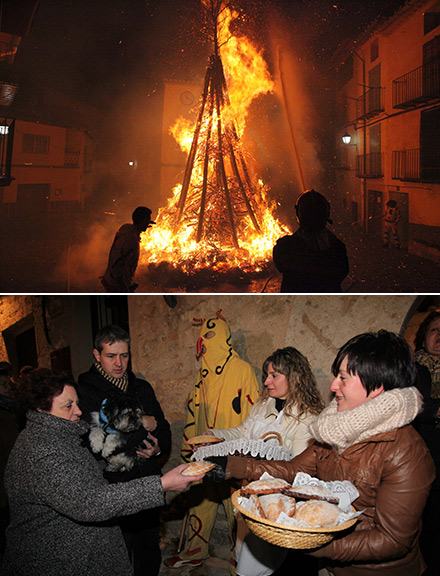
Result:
[[110, 376]]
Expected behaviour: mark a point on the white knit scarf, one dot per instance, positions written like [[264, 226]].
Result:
[[391, 409]]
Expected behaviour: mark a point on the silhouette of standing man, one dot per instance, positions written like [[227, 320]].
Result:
[[124, 253], [312, 259]]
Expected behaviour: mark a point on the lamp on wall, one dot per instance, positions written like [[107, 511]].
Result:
[[346, 138]]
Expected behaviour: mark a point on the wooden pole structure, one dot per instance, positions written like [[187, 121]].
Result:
[[192, 154], [221, 160], [221, 149], [205, 170]]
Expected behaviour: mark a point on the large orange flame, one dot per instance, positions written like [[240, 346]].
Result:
[[176, 242]]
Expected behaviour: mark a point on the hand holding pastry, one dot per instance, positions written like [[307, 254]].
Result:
[[175, 480]]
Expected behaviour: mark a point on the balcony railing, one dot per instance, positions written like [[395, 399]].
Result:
[[370, 104], [369, 165], [418, 86], [405, 165], [71, 159], [416, 165]]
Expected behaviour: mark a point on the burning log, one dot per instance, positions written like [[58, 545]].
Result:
[[220, 217], [220, 152]]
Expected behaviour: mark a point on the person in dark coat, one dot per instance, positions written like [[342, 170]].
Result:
[[110, 376], [124, 253], [312, 259], [61, 506], [9, 429], [427, 423]]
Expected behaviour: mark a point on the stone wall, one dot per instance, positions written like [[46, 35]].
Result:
[[59, 322], [163, 338], [13, 310]]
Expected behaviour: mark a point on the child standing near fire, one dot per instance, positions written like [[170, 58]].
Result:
[[224, 391]]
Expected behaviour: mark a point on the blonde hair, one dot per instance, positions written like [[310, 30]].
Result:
[[303, 389]]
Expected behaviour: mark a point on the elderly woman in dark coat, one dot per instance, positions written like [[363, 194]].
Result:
[[427, 353], [61, 505]]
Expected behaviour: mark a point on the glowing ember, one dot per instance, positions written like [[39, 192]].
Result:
[[220, 217]]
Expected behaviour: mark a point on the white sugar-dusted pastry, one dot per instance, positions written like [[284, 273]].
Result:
[[274, 504], [311, 491], [203, 439], [268, 486], [317, 513], [197, 468], [259, 510]]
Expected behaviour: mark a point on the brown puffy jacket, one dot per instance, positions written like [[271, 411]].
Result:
[[393, 473]]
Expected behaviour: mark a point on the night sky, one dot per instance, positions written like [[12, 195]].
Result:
[[102, 50]]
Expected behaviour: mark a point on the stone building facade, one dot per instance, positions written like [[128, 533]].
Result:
[[163, 335]]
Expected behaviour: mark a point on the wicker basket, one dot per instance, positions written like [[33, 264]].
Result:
[[288, 536]]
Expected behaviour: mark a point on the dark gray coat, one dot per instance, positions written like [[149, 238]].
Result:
[[62, 507]]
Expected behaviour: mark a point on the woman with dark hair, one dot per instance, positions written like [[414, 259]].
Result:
[[61, 506], [288, 403], [427, 423], [364, 436], [427, 351]]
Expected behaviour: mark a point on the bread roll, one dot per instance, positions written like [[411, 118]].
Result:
[[317, 513], [274, 504], [259, 510]]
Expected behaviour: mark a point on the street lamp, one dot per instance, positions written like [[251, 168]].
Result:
[[346, 138]]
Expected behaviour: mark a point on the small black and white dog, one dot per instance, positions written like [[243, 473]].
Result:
[[116, 432]]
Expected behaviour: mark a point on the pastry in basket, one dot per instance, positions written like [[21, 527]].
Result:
[[197, 468], [203, 439], [311, 492], [259, 511], [274, 504], [318, 513], [268, 486]]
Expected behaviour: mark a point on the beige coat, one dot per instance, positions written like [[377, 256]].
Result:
[[263, 418]]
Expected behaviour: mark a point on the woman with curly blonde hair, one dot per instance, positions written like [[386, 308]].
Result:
[[303, 394], [288, 404]]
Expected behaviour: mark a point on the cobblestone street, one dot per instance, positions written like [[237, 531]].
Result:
[[215, 565], [69, 254], [373, 269]]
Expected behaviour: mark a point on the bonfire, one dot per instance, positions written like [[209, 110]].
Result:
[[220, 218]]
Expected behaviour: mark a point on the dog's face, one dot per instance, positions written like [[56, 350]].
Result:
[[123, 414]]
